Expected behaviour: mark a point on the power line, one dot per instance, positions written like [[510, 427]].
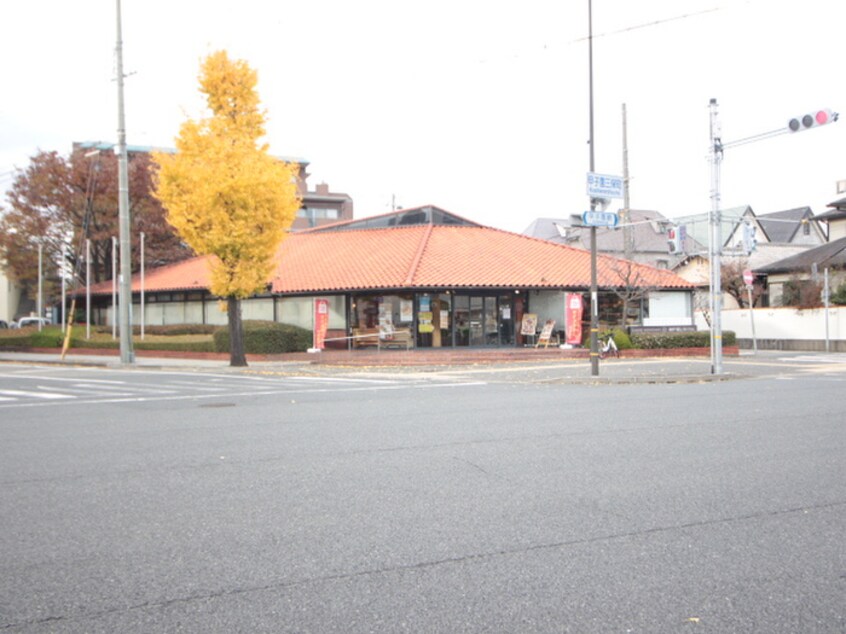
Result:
[[649, 24]]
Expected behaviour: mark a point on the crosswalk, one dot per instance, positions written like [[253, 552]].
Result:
[[42, 387]]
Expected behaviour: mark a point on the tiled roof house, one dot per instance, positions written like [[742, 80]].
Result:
[[428, 268]]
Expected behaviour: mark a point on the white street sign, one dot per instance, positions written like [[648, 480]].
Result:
[[604, 185], [599, 219]]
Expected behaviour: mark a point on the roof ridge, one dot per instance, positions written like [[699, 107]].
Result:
[[415, 263]]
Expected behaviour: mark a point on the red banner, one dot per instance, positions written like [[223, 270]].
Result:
[[573, 309], [321, 322]]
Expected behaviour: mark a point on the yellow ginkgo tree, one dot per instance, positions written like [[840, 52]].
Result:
[[224, 194]]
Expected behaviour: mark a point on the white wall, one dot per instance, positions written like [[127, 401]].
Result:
[[784, 323], [669, 308], [9, 298]]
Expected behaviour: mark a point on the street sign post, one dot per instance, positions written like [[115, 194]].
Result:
[[748, 278], [595, 218]]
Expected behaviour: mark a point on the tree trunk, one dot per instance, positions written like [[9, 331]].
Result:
[[237, 358]]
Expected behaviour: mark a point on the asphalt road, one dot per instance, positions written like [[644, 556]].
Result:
[[456, 501]]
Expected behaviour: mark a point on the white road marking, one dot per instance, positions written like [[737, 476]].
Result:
[[44, 395], [250, 394]]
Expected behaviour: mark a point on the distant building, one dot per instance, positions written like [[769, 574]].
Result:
[[319, 206], [10, 297], [646, 231], [806, 269]]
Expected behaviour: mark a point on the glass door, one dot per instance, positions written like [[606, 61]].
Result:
[[477, 321], [461, 316]]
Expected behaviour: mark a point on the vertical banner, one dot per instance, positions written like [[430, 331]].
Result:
[[574, 307], [321, 322]]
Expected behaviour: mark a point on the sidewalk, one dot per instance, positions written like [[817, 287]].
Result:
[[542, 366]]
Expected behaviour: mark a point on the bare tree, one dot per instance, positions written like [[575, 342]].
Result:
[[633, 287], [731, 280]]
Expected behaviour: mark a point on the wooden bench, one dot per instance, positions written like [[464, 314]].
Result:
[[364, 337], [400, 338], [397, 338]]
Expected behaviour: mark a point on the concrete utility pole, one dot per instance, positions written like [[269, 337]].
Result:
[[594, 293], [715, 244], [127, 355], [625, 215]]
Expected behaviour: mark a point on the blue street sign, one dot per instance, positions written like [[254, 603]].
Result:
[[604, 186], [599, 219]]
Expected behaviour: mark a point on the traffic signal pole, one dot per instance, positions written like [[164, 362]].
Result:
[[715, 242]]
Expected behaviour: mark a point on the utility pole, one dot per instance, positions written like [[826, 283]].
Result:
[[625, 216], [594, 293], [715, 244], [127, 355], [39, 304]]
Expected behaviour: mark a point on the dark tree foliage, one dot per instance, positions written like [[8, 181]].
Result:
[[61, 200]]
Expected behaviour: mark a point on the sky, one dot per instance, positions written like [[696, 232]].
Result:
[[480, 107]]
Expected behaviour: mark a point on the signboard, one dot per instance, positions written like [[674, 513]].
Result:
[[424, 321], [599, 219], [321, 322], [574, 307], [529, 326], [604, 185], [546, 333]]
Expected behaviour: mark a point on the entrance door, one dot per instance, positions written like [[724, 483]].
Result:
[[476, 321]]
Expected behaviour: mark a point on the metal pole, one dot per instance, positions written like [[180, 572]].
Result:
[[752, 319], [142, 287], [64, 285], [114, 288], [594, 294], [715, 245], [127, 355], [87, 288], [826, 293], [40, 304]]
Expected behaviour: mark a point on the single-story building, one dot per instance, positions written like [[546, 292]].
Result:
[[421, 277]]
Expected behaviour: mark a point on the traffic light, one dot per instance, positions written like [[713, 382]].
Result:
[[675, 239], [812, 120], [750, 237]]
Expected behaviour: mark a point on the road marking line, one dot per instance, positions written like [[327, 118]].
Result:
[[253, 393], [44, 395]]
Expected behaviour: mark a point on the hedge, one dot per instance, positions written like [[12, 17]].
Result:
[[267, 337], [699, 339]]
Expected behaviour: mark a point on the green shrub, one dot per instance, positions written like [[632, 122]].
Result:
[[699, 339], [174, 330], [621, 339], [176, 346], [267, 337], [50, 337], [838, 297]]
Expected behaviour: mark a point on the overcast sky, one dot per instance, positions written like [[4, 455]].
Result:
[[479, 107]]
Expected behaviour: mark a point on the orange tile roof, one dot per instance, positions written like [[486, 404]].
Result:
[[421, 256], [188, 275]]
